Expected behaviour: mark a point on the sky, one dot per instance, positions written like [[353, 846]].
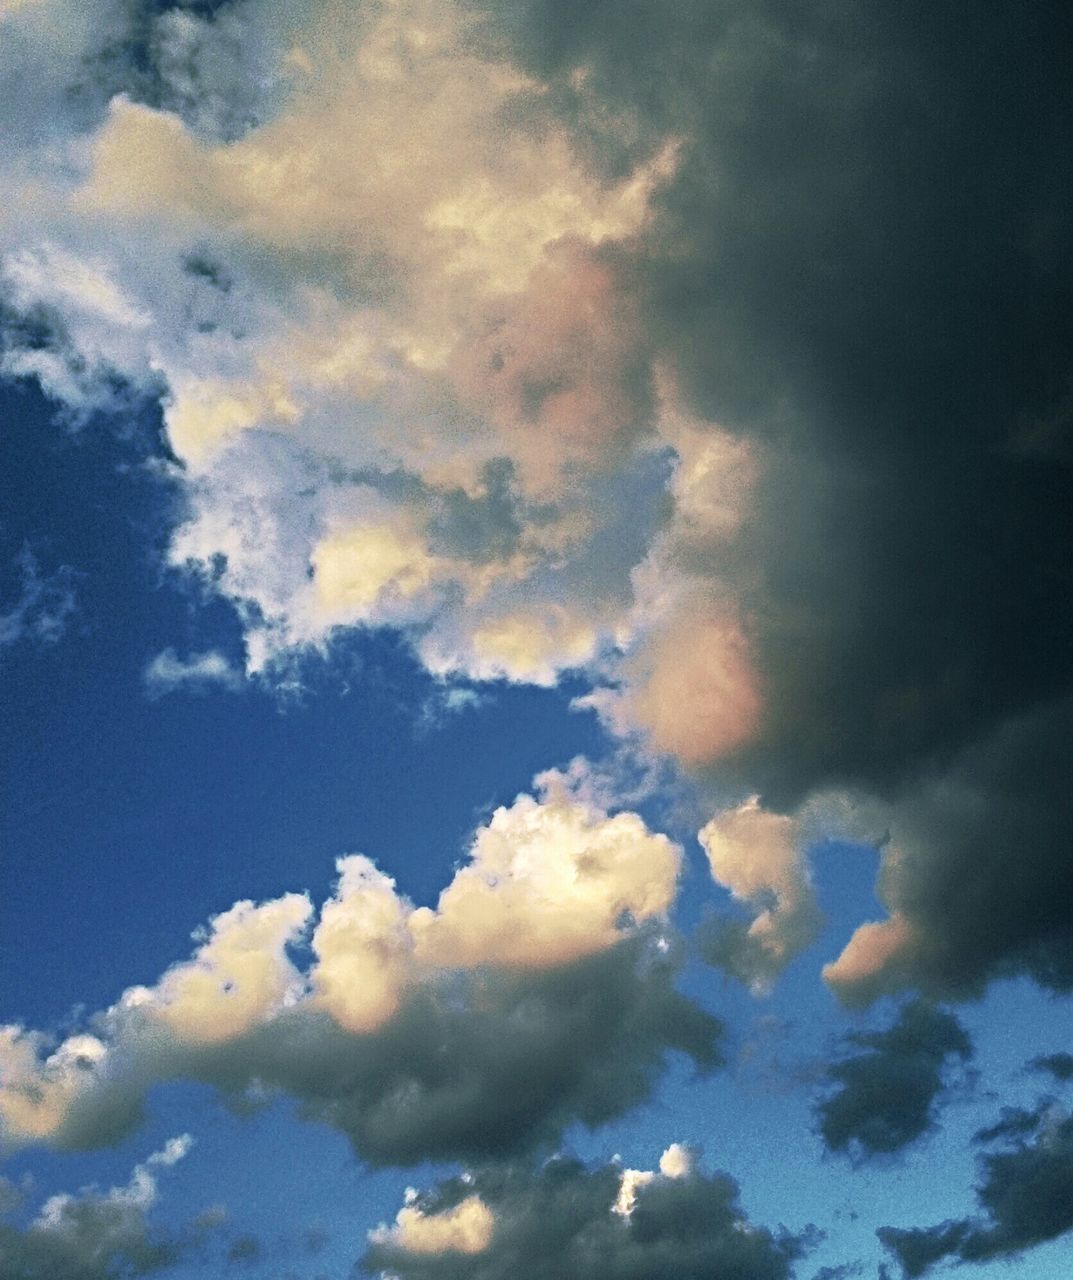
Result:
[[536, 585]]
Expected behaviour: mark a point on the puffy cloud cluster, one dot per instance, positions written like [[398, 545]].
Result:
[[567, 1221], [385, 304], [95, 1234], [724, 358], [887, 1087], [539, 990], [759, 857], [1024, 1196]]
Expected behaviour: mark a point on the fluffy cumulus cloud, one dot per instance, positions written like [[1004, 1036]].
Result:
[[95, 1235], [1024, 1196], [404, 373], [567, 1221], [885, 1090], [539, 991], [759, 857]]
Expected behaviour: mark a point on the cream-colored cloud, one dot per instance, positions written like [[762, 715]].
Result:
[[402, 279], [204, 413], [449, 214], [37, 1089], [552, 369], [694, 688], [363, 948], [678, 1161], [715, 472], [355, 568], [531, 647], [759, 856], [547, 882], [239, 977], [465, 1228], [870, 962]]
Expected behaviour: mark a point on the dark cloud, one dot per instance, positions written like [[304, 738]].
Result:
[[560, 1224], [1060, 1065], [484, 1066], [11, 1197], [244, 1249], [474, 1066], [864, 266], [94, 1235], [978, 868], [888, 1086], [843, 1272], [1025, 1195]]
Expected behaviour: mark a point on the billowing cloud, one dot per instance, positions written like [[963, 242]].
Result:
[[885, 1089], [975, 871], [569, 1221], [39, 605], [95, 1234], [539, 991], [1059, 1065], [353, 325], [759, 857], [1024, 1197]]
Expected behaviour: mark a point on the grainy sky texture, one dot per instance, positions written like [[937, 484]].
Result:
[[536, 599]]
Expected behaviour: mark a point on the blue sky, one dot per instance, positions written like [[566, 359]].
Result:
[[534, 612]]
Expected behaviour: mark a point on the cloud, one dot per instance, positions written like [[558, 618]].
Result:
[[167, 672], [538, 992], [465, 1228], [1059, 1065], [1024, 1197], [566, 1220], [997, 818], [42, 606], [95, 1234], [886, 1088], [344, 361], [759, 857]]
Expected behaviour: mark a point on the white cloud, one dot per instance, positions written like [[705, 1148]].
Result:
[[168, 672], [678, 1161], [393, 277], [42, 606]]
